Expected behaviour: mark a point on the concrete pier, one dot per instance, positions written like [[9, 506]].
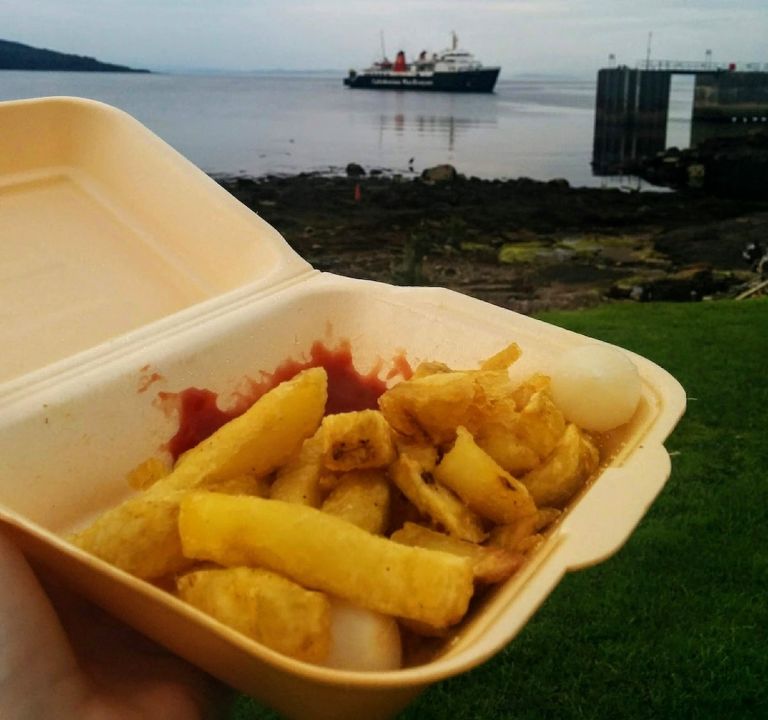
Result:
[[632, 106], [731, 97], [630, 117]]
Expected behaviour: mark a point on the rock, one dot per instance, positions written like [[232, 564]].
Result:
[[439, 174], [689, 284], [720, 244], [355, 170], [696, 175], [729, 167]]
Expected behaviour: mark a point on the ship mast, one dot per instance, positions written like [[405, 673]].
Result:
[[454, 40], [383, 51]]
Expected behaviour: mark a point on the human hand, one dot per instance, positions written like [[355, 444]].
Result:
[[61, 657]]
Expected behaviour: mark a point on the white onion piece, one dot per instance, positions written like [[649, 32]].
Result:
[[596, 387], [362, 639]]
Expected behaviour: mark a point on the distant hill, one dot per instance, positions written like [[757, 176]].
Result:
[[16, 56]]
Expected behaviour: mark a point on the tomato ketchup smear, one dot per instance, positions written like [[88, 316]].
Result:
[[348, 390]]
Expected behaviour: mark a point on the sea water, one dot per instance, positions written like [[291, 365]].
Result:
[[286, 123]]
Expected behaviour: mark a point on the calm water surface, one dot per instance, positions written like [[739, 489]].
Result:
[[260, 124]]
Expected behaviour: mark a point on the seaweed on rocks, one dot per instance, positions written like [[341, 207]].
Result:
[[521, 244]]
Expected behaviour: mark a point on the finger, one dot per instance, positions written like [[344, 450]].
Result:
[[34, 650], [131, 670]]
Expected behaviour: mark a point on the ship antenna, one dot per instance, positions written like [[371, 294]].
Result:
[[383, 51], [455, 39]]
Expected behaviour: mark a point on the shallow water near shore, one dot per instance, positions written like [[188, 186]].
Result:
[[258, 124]]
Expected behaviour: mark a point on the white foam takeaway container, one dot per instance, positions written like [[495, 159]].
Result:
[[120, 262]]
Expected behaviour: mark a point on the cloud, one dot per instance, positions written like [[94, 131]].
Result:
[[521, 35]]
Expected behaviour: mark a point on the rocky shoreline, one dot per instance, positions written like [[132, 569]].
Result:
[[733, 166], [521, 244]]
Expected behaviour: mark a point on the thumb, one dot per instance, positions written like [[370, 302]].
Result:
[[35, 653]]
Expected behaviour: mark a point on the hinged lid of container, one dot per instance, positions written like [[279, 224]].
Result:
[[105, 229]]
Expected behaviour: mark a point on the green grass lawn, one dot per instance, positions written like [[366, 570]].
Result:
[[676, 624]]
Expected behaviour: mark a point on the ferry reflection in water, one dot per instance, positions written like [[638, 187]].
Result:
[[446, 129], [525, 129]]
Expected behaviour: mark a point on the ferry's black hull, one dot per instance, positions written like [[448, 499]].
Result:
[[471, 81]]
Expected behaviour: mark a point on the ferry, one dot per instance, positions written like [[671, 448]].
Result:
[[452, 70]]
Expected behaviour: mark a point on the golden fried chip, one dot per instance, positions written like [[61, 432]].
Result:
[[530, 544], [545, 517], [299, 479], [424, 630], [514, 535], [261, 439], [422, 452], [518, 439], [489, 564], [502, 359], [362, 498], [507, 449], [357, 441], [428, 409], [529, 387], [328, 480], [151, 520], [429, 367], [564, 472], [322, 552], [541, 424], [481, 483], [141, 534], [492, 403], [264, 606], [147, 473], [508, 536], [436, 501], [241, 485]]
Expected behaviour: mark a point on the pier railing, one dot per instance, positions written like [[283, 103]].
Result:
[[688, 66]]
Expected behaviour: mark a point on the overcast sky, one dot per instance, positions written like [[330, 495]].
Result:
[[524, 36]]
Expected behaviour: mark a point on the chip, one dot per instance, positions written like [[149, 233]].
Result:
[[362, 498], [563, 474], [428, 409], [299, 479], [502, 359], [489, 564], [147, 473], [141, 535], [541, 424], [484, 486], [357, 441], [322, 552], [435, 501], [264, 606], [514, 536]]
